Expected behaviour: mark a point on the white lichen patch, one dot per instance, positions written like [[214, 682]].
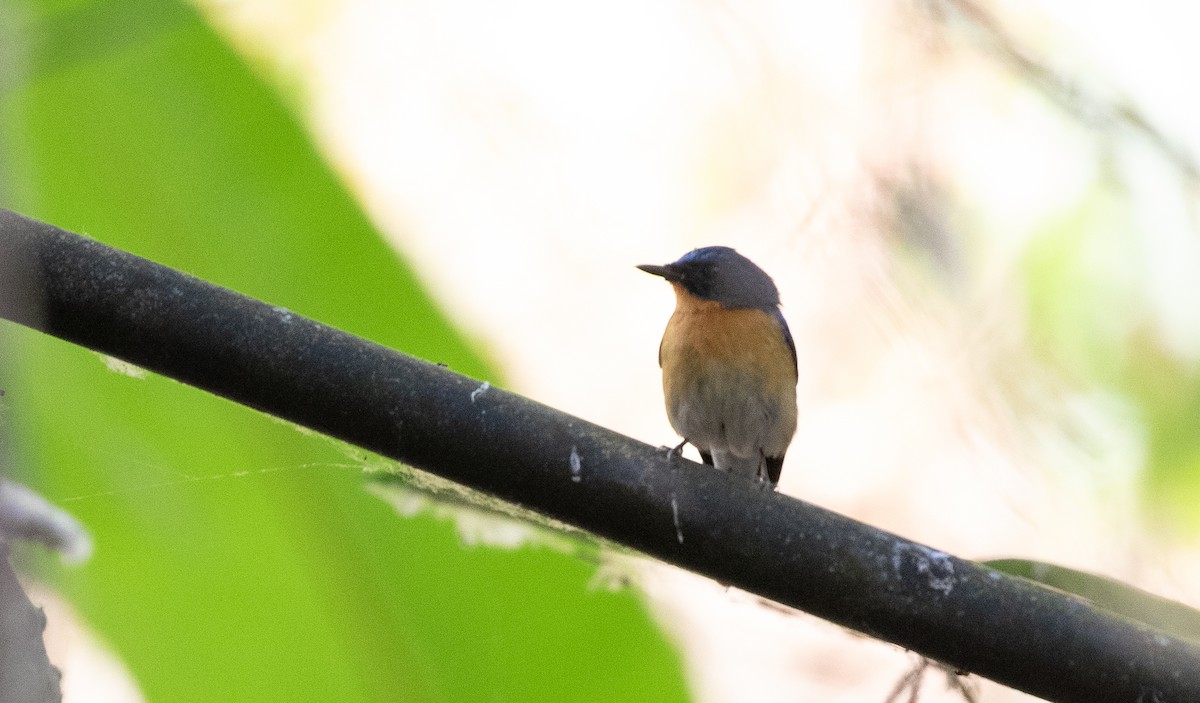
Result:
[[123, 367], [576, 463], [937, 568], [285, 315], [675, 517]]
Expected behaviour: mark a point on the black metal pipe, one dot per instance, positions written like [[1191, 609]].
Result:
[[1046, 643]]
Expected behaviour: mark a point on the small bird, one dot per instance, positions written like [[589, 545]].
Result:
[[729, 363]]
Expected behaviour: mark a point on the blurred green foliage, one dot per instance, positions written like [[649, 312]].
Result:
[[236, 558], [1166, 390], [1085, 276], [1082, 289]]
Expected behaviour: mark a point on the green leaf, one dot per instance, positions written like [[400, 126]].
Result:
[[1160, 613], [236, 558]]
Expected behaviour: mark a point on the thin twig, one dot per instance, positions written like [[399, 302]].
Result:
[[1086, 106]]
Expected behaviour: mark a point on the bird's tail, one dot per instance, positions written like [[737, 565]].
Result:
[[754, 467]]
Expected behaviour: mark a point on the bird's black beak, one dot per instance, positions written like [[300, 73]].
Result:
[[668, 272]]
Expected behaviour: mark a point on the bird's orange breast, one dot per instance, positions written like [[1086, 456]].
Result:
[[704, 331], [729, 376]]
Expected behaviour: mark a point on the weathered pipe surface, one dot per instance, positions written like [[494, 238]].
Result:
[[1046, 643]]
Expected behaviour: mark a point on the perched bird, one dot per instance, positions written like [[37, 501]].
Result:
[[728, 362]]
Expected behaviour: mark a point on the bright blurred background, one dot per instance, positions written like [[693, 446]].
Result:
[[981, 216]]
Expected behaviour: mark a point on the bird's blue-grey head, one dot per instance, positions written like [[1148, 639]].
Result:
[[722, 275]]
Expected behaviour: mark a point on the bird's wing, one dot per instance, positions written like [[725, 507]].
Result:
[[787, 337]]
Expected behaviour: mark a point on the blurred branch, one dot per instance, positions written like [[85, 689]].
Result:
[[1049, 644], [1086, 106], [26, 675], [27, 516]]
